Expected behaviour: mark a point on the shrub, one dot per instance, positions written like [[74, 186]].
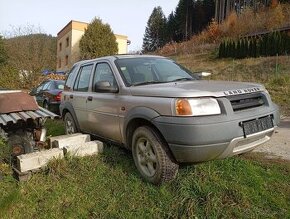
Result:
[[269, 45]]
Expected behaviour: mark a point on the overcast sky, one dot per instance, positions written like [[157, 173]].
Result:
[[126, 17]]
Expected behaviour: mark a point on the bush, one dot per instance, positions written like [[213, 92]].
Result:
[[9, 77], [268, 45]]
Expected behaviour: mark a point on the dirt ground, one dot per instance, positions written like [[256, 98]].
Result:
[[279, 145]]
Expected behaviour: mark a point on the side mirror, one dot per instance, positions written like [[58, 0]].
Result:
[[202, 74], [105, 87]]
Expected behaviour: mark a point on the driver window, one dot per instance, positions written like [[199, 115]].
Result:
[[103, 72]]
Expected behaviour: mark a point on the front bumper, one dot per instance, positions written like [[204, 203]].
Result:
[[198, 139]]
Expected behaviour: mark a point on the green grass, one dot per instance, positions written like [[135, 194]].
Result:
[[109, 186], [54, 127]]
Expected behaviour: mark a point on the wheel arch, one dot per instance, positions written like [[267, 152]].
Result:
[[140, 116], [68, 108]]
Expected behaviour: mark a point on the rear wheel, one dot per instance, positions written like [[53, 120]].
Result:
[[70, 125], [152, 156]]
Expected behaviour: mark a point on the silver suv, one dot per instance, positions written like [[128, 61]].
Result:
[[163, 113]]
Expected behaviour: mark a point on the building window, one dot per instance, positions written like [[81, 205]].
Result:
[[67, 41], [60, 46], [66, 60], [59, 63]]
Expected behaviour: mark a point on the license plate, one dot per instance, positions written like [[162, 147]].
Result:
[[257, 125]]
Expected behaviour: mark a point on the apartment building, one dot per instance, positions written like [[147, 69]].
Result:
[[68, 39]]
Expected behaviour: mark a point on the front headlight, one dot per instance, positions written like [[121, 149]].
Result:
[[197, 107]]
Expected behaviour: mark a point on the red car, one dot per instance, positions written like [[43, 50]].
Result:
[[48, 94]]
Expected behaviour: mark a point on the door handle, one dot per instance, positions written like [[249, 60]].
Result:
[[90, 98], [71, 96]]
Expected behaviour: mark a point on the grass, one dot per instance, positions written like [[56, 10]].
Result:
[[109, 186]]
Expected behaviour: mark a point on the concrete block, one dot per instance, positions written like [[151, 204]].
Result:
[[36, 160], [66, 140], [85, 149]]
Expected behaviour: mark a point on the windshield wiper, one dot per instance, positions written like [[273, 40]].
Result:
[[147, 82], [182, 79]]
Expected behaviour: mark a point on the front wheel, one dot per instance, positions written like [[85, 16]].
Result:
[[152, 156], [70, 125]]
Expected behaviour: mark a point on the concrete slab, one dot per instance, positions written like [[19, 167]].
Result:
[[36, 160], [85, 149], [65, 140]]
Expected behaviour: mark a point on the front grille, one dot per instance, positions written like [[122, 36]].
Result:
[[246, 101]]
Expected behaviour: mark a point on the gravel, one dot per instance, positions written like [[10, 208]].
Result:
[[279, 145]]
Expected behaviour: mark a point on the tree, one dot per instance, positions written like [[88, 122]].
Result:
[[155, 32], [181, 19], [98, 40], [3, 54], [9, 77], [191, 17], [171, 27]]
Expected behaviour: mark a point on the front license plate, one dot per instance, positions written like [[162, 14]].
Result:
[[257, 125]]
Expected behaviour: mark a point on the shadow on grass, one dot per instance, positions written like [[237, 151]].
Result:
[[115, 156]]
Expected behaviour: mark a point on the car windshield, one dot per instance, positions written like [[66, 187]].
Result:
[[59, 85], [149, 70]]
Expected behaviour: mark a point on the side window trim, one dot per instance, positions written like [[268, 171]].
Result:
[[76, 81], [69, 79]]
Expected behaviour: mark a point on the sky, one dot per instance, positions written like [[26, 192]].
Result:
[[126, 17]]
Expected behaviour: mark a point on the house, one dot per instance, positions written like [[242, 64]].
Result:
[[68, 39]]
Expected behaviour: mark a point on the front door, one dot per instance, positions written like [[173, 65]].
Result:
[[103, 107]]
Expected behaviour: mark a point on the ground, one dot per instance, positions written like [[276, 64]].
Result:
[[279, 145]]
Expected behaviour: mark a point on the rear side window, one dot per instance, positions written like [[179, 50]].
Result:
[[45, 87], [83, 79], [69, 81]]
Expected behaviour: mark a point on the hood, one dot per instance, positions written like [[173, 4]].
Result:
[[199, 88]]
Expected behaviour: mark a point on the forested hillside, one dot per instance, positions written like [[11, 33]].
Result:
[[24, 57]]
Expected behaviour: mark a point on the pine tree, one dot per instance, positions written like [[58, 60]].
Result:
[[222, 50], [238, 50], [180, 19], [155, 32], [251, 49], [171, 27], [98, 40]]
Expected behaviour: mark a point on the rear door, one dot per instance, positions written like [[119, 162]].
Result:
[[40, 96], [103, 107], [80, 94]]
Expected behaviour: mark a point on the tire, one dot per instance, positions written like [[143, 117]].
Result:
[[152, 156], [70, 125]]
